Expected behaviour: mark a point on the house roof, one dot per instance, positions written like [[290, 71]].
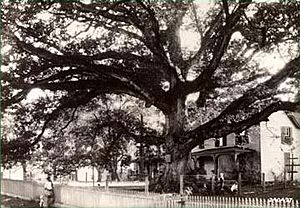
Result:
[[221, 150], [295, 118]]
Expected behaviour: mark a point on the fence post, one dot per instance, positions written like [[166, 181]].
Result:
[[284, 178], [147, 184], [181, 184], [106, 184], [263, 182], [240, 183], [213, 183]]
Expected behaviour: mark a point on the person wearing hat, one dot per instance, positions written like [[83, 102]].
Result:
[[49, 192]]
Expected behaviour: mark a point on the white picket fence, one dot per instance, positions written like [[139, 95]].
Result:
[[217, 201], [93, 197], [223, 202]]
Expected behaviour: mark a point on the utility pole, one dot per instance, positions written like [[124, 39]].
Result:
[[292, 165], [141, 150], [93, 175]]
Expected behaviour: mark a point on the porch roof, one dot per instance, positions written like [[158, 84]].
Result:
[[221, 151]]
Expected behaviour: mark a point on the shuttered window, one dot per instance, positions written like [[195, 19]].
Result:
[[242, 138], [221, 142], [286, 135]]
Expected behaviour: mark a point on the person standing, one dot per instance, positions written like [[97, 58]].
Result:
[[49, 192], [221, 179]]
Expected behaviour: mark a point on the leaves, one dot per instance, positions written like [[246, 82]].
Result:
[[81, 51], [95, 135]]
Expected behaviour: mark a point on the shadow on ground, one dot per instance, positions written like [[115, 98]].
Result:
[[14, 202]]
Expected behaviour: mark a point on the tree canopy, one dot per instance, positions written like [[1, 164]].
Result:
[[80, 50], [100, 135]]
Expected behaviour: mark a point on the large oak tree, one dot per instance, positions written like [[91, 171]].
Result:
[[81, 50]]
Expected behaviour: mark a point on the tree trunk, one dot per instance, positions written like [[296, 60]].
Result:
[[24, 171], [54, 172], [177, 159], [114, 169], [169, 180], [100, 171]]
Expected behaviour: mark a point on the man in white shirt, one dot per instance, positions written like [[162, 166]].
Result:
[[49, 192]]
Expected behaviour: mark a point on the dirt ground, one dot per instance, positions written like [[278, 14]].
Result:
[[13, 202], [291, 192]]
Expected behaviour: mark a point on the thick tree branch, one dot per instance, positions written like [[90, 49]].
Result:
[[78, 99], [217, 128], [263, 90], [216, 45], [173, 39], [226, 9], [75, 60], [117, 80], [242, 106], [151, 139], [6, 102]]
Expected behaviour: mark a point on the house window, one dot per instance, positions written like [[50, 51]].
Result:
[[286, 135], [221, 142], [217, 143], [242, 138], [224, 141]]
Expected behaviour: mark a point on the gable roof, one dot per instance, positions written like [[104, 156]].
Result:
[[294, 117]]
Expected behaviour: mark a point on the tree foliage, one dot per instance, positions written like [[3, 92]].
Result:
[[82, 50], [98, 135]]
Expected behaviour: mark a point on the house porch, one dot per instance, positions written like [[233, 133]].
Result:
[[220, 160]]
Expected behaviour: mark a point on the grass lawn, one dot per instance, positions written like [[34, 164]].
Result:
[[276, 191]]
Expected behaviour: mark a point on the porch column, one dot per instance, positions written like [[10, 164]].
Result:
[[216, 164], [195, 162], [236, 160], [239, 179], [216, 171]]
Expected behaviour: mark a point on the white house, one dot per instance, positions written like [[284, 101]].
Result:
[[272, 148], [280, 145]]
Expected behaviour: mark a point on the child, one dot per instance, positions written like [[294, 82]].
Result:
[[234, 188]]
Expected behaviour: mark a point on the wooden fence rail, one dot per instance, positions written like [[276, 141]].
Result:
[[86, 197]]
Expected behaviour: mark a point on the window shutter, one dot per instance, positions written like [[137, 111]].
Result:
[[217, 143], [283, 130], [286, 135], [289, 138], [291, 131], [225, 141]]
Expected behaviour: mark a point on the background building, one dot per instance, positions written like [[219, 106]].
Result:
[[272, 148]]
